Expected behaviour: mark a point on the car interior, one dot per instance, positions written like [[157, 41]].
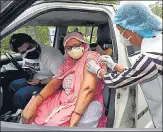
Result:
[[101, 29]]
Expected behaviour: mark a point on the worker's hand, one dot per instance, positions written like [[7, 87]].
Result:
[[33, 82], [108, 60], [93, 67], [29, 113]]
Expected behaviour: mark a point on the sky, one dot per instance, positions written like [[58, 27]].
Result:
[[145, 2]]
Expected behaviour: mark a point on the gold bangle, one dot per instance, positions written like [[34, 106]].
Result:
[[40, 96], [77, 113]]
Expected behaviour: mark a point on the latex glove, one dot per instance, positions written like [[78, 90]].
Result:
[[108, 60], [93, 67]]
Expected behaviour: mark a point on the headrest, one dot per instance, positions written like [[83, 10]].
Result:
[[103, 34]]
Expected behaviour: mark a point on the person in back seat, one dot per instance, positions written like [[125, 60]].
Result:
[[104, 52], [45, 62], [80, 102], [104, 37]]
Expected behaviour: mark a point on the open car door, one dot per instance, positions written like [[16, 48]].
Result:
[[10, 9], [142, 112]]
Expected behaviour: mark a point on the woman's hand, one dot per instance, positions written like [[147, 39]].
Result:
[[29, 113], [72, 125]]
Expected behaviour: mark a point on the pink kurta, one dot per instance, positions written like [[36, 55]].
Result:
[[57, 109]]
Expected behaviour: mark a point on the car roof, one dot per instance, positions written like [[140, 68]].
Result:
[[52, 5], [10, 9]]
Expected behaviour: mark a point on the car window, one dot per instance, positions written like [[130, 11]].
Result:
[[42, 34], [133, 50], [86, 31]]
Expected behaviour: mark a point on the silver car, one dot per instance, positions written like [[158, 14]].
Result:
[[125, 108]]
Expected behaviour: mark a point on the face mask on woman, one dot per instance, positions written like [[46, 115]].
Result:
[[125, 41], [76, 52]]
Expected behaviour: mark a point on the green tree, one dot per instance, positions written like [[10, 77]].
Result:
[[157, 8], [106, 1], [43, 35], [38, 33], [5, 42]]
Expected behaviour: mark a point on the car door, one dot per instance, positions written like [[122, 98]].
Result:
[[143, 118]]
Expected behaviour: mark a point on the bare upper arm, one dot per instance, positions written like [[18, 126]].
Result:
[[90, 79]]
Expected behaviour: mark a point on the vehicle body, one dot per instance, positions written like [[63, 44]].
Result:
[[127, 106]]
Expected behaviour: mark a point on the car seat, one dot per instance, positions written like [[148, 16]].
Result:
[[103, 38]]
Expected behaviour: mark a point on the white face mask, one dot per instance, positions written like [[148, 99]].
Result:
[[76, 53], [124, 40]]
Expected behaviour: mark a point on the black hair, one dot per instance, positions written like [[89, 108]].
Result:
[[17, 40]]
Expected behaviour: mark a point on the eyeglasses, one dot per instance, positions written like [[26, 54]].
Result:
[[29, 47], [75, 46]]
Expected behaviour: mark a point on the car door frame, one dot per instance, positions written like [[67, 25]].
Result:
[[142, 111], [13, 10]]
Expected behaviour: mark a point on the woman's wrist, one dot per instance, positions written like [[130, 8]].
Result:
[[40, 96], [38, 99], [74, 112], [75, 118]]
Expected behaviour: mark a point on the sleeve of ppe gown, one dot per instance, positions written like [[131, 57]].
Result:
[[143, 69]]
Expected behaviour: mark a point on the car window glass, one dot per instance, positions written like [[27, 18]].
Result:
[[86, 32], [42, 34], [133, 50]]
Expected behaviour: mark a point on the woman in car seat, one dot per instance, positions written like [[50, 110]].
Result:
[[138, 26], [80, 103]]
